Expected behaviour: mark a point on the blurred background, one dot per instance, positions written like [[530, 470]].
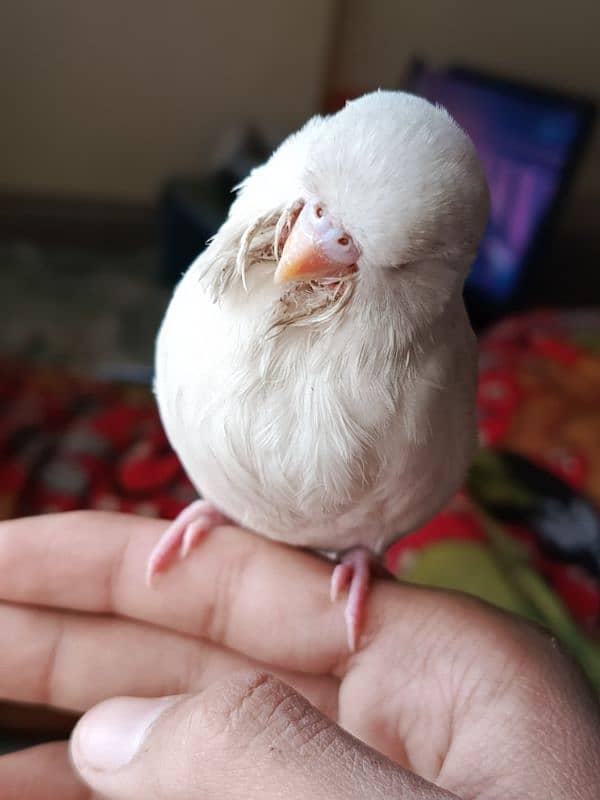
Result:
[[125, 126]]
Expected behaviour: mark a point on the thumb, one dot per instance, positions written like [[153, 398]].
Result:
[[250, 737]]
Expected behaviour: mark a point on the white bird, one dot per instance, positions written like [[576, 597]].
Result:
[[316, 370]]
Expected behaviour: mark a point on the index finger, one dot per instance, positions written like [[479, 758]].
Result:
[[239, 590]]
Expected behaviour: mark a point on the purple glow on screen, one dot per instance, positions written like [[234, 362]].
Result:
[[523, 146]]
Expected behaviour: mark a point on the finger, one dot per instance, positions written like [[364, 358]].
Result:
[[250, 737], [239, 590], [41, 773], [73, 661]]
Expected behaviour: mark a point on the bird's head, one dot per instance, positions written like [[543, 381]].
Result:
[[388, 195], [390, 181]]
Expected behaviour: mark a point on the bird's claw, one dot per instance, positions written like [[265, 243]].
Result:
[[354, 570], [182, 535]]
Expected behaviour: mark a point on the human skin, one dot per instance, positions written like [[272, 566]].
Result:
[[445, 697]]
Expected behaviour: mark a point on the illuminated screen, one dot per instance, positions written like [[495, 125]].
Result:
[[524, 145]]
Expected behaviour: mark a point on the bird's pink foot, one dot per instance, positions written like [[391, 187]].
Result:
[[187, 529], [354, 570]]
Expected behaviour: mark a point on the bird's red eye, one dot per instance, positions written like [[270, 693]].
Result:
[[319, 211], [344, 241]]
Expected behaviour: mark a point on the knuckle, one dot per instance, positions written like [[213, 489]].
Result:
[[221, 612], [261, 713], [253, 701], [253, 729], [276, 718], [50, 666], [233, 705]]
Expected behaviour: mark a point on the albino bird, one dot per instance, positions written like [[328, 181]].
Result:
[[316, 370]]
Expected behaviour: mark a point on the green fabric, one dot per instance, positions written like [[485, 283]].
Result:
[[501, 575]]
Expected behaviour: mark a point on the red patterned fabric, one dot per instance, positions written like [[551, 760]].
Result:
[[68, 442]]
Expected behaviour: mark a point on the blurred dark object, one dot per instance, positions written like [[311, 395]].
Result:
[[49, 220], [515, 490], [190, 211], [193, 209], [23, 725], [531, 141]]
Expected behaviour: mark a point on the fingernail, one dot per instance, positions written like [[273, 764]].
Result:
[[108, 737]]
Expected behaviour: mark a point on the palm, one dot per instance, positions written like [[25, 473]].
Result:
[[430, 689], [432, 686]]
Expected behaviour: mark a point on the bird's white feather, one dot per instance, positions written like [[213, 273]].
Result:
[[325, 416]]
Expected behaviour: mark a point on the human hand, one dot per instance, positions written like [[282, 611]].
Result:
[[443, 687]]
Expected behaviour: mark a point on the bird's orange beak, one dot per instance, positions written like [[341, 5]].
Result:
[[315, 249]]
